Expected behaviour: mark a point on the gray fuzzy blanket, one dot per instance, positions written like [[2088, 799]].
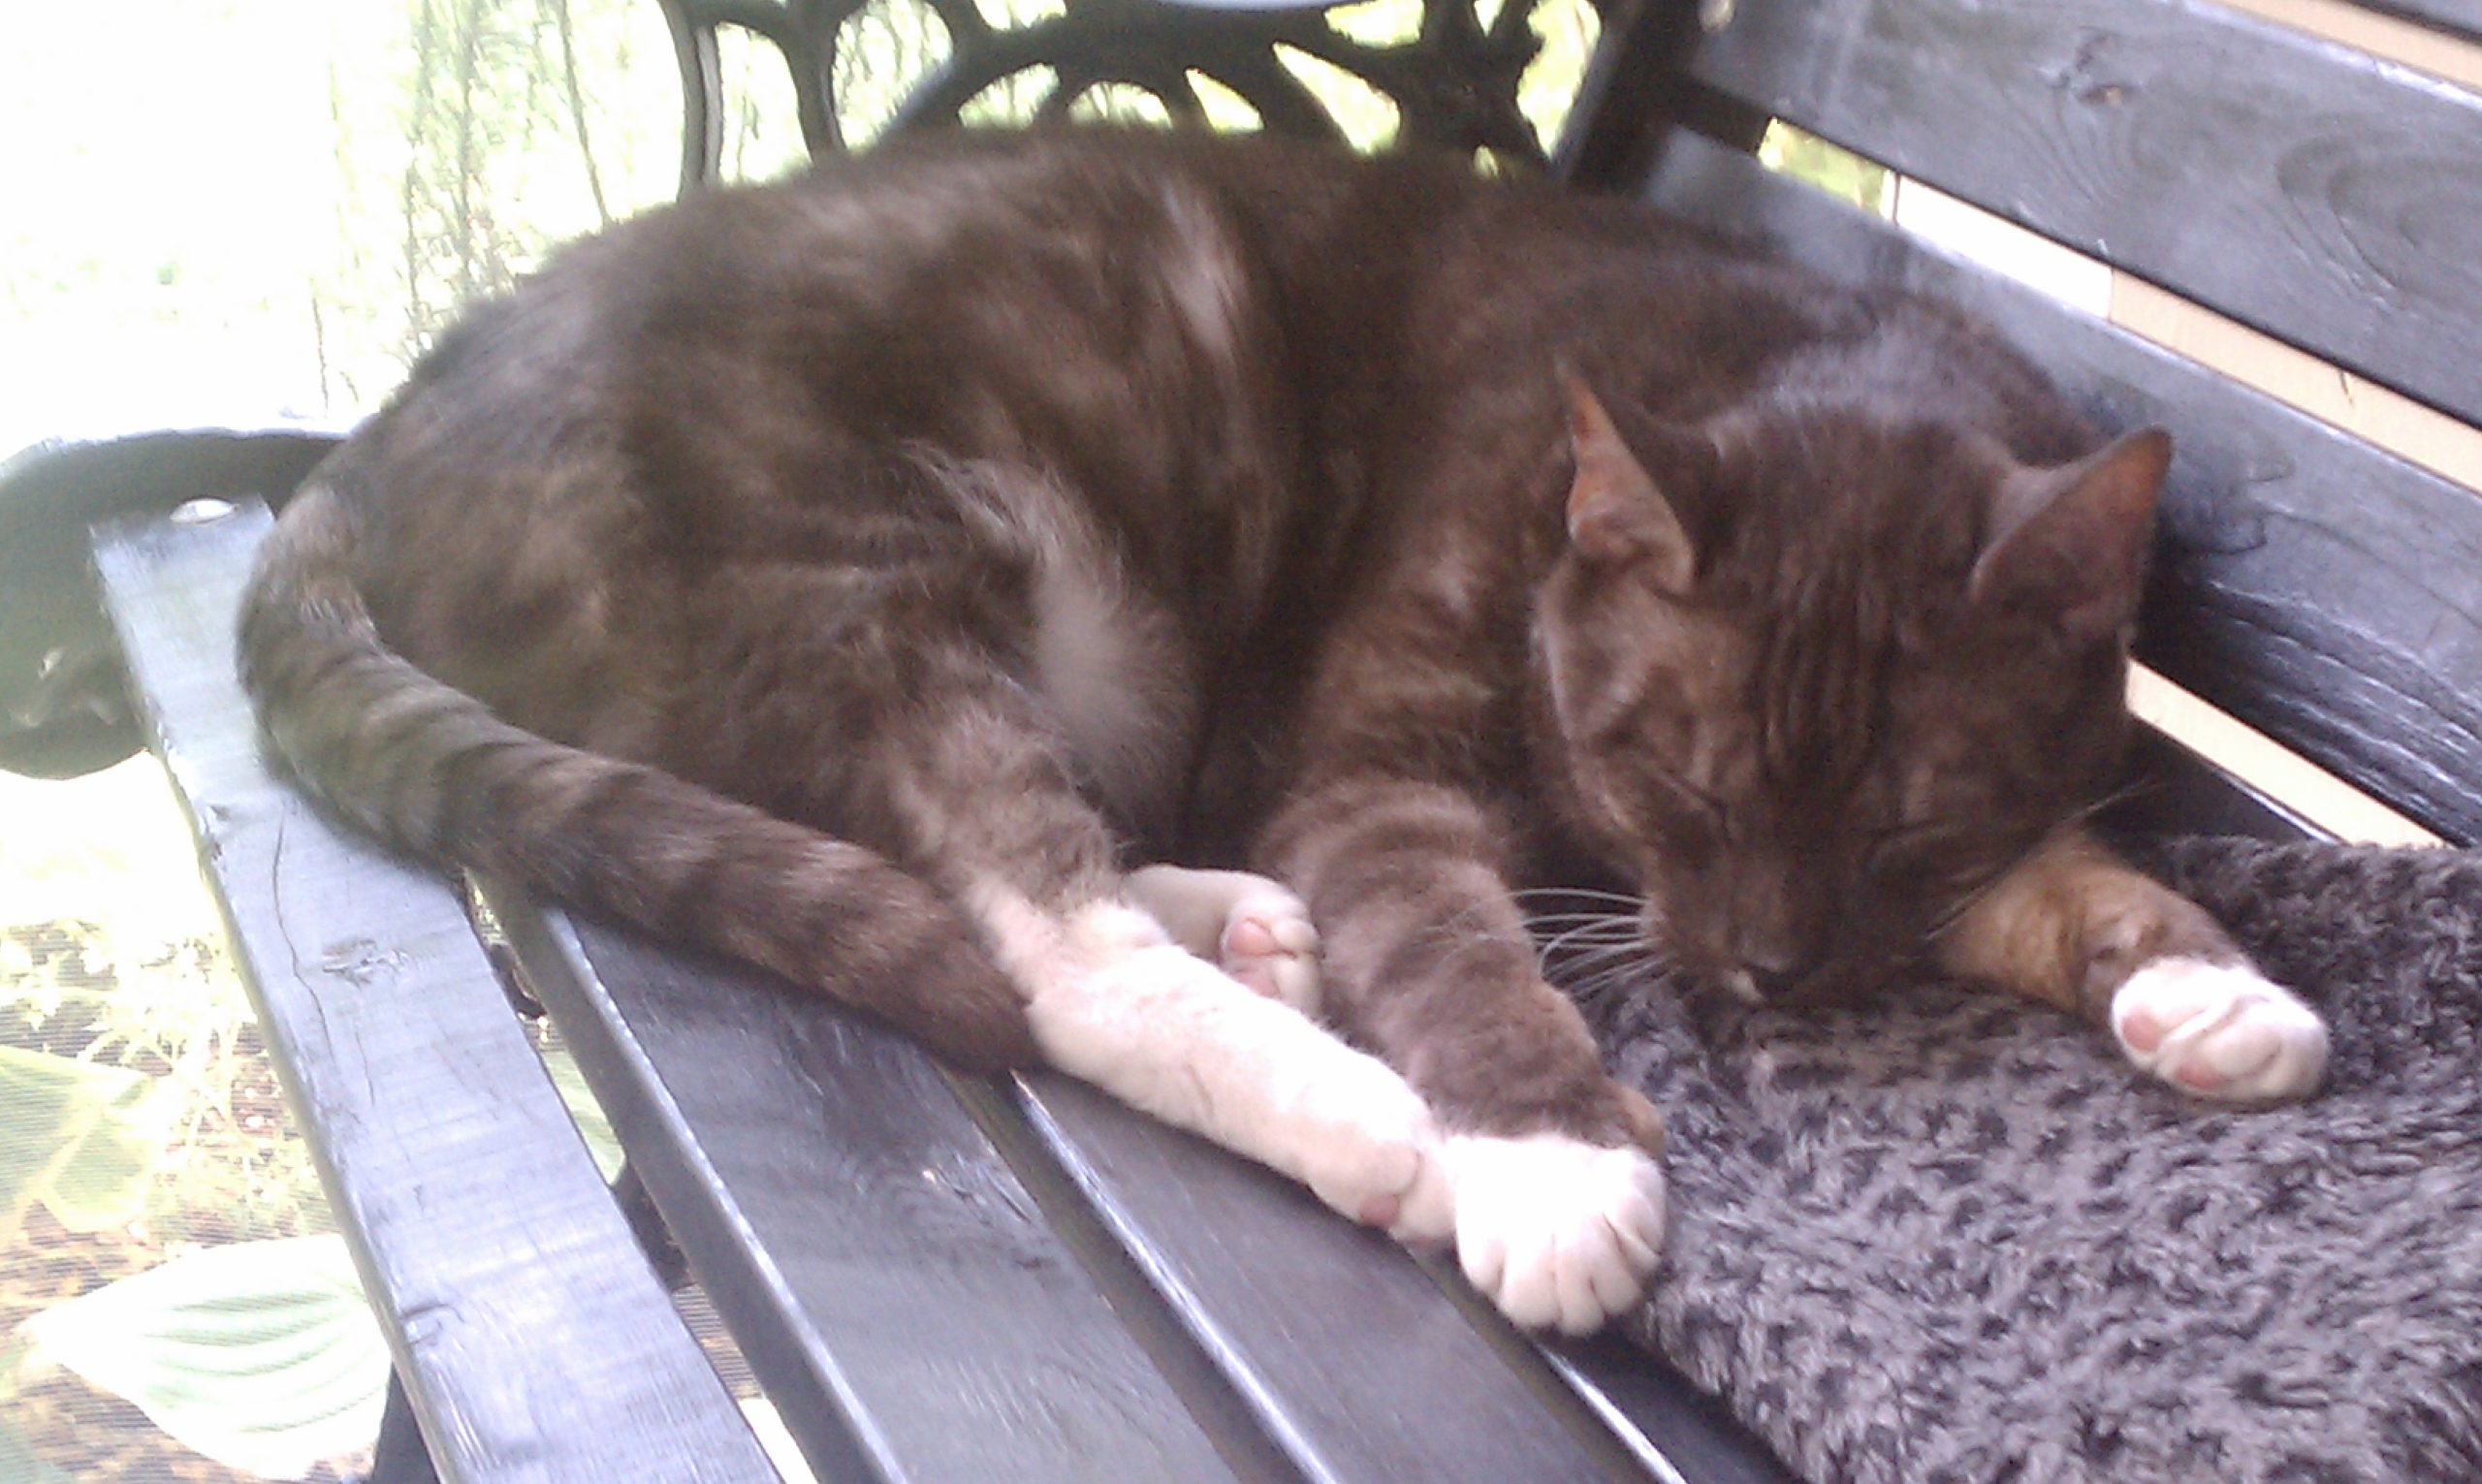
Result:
[[1959, 1240]]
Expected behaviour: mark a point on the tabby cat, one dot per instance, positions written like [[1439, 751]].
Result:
[[861, 575]]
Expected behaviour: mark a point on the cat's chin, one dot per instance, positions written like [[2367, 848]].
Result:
[[1831, 990]]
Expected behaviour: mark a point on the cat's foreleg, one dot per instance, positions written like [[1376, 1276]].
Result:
[[2073, 927], [1559, 1202]]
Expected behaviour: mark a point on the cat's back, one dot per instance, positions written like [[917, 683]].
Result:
[[751, 375]]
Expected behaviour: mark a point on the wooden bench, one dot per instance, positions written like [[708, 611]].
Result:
[[938, 1278]]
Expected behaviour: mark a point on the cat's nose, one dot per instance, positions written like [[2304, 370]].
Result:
[[1771, 983]]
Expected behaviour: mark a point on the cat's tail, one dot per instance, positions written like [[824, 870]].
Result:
[[428, 767]]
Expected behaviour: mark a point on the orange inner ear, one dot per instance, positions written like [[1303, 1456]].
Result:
[[2077, 554], [1616, 514]]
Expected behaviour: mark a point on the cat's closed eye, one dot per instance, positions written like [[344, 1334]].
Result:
[[1903, 842], [1691, 815]]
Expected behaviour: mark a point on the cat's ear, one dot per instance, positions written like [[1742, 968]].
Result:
[[2069, 544], [1618, 512]]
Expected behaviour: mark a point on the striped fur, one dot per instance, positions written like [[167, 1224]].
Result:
[[430, 769], [857, 575]]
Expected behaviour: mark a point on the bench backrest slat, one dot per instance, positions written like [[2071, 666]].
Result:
[[2321, 196], [532, 1337], [2172, 790], [2326, 592], [2456, 18]]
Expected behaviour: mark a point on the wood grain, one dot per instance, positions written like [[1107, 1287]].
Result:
[[900, 1294], [2319, 589], [1338, 1341], [2302, 188], [534, 1339]]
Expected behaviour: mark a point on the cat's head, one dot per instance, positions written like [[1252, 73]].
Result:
[[1818, 672]]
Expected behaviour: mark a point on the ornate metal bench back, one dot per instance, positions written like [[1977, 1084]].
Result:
[[1455, 82]]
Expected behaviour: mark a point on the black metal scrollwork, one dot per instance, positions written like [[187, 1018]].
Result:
[[1454, 81]]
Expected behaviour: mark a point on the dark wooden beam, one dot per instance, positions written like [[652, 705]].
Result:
[[534, 1339], [2307, 190]]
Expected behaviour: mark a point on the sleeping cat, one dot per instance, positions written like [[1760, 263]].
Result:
[[860, 576]]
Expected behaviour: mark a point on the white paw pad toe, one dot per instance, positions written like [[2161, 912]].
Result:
[[2220, 1030], [1268, 943], [1558, 1233]]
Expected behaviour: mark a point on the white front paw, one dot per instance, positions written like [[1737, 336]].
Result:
[[2220, 1030], [1555, 1231]]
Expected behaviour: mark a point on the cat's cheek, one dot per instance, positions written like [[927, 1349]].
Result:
[[1558, 1233], [2220, 1030]]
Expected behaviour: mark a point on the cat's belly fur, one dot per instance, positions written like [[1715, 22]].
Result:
[[1114, 674]]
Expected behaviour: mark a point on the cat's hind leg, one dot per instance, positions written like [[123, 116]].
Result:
[[1114, 1001], [1256, 929], [962, 772]]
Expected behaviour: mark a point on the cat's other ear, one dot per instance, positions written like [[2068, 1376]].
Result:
[[2069, 544], [1618, 512]]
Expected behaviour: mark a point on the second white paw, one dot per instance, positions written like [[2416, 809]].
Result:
[[1268, 943], [1256, 929], [1560, 1234]]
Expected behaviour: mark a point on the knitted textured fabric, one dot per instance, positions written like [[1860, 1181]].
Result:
[[1956, 1238]]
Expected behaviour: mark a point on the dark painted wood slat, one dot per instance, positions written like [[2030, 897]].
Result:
[[2456, 18], [1633, 81], [898, 1291], [534, 1339], [1335, 1336], [1686, 1435], [2297, 185], [2172, 790], [2319, 589]]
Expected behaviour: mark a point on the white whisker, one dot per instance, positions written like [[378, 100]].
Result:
[[1617, 979], [1594, 932], [1604, 952], [1581, 894]]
